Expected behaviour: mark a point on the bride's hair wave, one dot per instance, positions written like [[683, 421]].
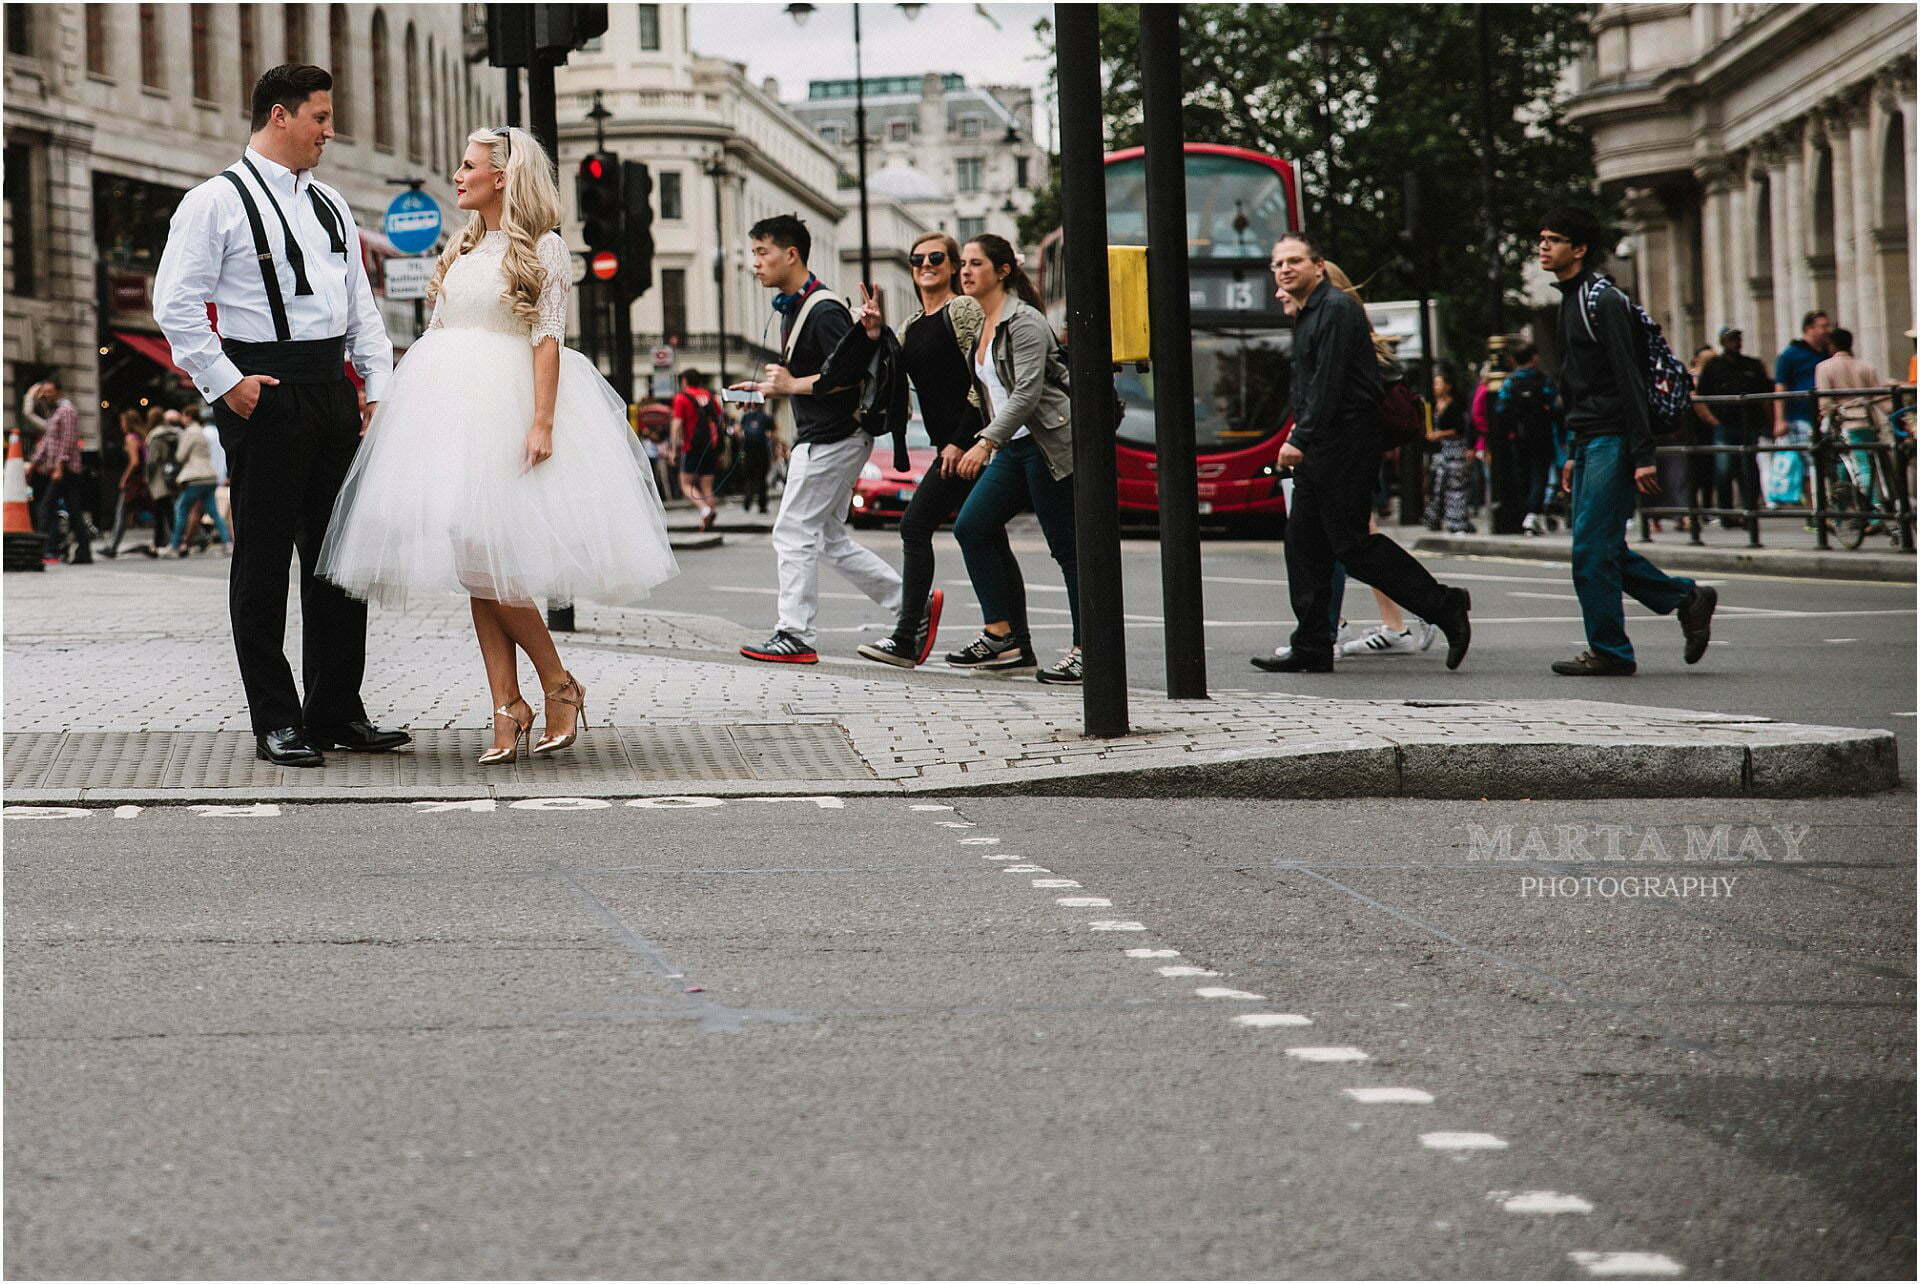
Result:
[[530, 210]]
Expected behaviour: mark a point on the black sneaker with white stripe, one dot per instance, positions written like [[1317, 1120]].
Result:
[[992, 653], [1066, 672], [782, 648], [887, 650]]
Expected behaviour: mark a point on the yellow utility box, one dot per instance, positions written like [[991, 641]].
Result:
[[1127, 291]]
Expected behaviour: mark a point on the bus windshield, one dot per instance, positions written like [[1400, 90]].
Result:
[[1240, 386], [1236, 208]]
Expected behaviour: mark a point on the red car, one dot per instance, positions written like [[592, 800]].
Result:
[[881, 494]]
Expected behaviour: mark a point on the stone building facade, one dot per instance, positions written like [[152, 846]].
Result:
[[972, 147], [1762, 157], [113, 111], [711, 138]]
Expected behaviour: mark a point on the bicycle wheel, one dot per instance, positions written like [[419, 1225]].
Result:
[[1851, 517]]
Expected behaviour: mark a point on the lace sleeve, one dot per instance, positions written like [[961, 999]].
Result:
[[439, 302], [555, 258]]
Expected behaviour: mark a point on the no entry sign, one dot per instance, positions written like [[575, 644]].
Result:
[[604, 265]]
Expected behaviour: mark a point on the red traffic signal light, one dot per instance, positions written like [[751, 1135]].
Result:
[[594, 168], [597, 190]]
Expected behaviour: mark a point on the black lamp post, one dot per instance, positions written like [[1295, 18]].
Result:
[[1324, 44], [716, 169]]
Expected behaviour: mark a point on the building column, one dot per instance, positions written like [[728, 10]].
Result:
[[1835, 122], [1780, 175], [1798, 189], [1872, 343], [1719, 242], [1645, 216], [1752, 278]]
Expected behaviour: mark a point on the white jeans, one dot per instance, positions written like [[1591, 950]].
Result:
[[812, 522]]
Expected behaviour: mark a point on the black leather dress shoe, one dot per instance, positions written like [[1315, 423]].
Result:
[[1696, 621], [287, 747], [360, 737], [1292, 662], [1456, 626], [1590, 665]]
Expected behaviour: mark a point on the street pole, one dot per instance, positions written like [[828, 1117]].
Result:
[[1492, 234], [1180, 593], [513, 96], [860, 148], [718, 171], [546, 128], [1096, 507], [419, 305], [1323, 47]]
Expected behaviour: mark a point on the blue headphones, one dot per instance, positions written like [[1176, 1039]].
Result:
[[789, 304]]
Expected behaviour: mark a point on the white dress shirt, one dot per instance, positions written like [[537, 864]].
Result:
[[210, 257]]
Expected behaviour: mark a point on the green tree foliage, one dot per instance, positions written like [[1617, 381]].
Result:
[[1404, 99]]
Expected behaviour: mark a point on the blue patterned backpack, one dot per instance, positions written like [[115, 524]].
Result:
[[1669, 382]]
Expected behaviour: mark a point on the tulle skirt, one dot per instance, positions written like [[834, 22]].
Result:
[[439, 499]]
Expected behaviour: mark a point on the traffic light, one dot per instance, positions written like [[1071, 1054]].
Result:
[[597, 191], [516, 32], [636, 243]]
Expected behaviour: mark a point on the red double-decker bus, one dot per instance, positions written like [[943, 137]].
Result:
[[1239, 203]]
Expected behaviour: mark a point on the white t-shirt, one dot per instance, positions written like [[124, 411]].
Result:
[[996, 393]]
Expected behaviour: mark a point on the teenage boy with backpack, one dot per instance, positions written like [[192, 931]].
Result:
[[830, 446], [1605, 349]]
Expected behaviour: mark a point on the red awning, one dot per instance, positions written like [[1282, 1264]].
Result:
[[153, 348]]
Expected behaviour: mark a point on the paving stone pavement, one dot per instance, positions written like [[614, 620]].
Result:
[[127, 691]]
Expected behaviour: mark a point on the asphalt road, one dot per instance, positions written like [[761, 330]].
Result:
[[790, 1039]]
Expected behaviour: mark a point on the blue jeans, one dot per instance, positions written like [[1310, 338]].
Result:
[[197, 493], [1016, 479], [1603, 565]]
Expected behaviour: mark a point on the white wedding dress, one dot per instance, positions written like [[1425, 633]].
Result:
[[439, 499]]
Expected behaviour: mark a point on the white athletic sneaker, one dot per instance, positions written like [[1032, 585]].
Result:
[[1424, 630], [1346, 634], [1382, 642]]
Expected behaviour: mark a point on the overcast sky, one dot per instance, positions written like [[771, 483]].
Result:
[[945, 37]]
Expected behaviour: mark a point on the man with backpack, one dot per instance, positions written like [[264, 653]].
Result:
[[1607, 346], [697, 434], [830, 445], [1527, 408]]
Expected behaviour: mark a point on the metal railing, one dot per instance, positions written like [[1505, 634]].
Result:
[[1891, 461]]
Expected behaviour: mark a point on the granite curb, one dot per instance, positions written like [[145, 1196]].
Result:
[[1812, 563]]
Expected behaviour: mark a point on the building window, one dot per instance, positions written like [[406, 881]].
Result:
[[412, 55], [670, 195], [340, 54], [673, 305], [20, 30], [22, 279], [967, 172], [201, 18], [649, 15], [969, 127], [150, 66], [970, 228], [382, 116], [1020, 171], [249, 56], [97, 60], [296, 50], [830, 133], [434, 115], [899, 131]]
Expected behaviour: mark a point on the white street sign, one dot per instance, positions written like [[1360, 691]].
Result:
[[407, 278]]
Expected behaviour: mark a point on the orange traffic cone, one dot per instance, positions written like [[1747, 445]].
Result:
[[23, 547]]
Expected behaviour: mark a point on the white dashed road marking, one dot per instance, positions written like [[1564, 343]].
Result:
[[1607, 1266], [1391, 1096], [1025, 869], [1539, 1201], [1185, 969], [1083, 902], [127, 812], [1269, 1020], [1223, 992], [1461, 1141], [1327, 1054], [929, 807], [1153, 954], [1116, 925], [980, 842], [1054, 882]]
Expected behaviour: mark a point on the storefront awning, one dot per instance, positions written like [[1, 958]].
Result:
[[153, 348]]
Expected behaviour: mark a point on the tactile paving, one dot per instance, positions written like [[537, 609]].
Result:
[[669, 752], [807, 751], [109, 760], [28, 757]]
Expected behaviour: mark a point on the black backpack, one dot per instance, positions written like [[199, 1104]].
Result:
[[706, 419], [1526, 412]]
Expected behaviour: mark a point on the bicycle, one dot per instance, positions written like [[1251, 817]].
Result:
[[1857, 496]]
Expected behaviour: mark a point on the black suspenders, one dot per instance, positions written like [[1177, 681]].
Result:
[[323, 210], [281, 330]]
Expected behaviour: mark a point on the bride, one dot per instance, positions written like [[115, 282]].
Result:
[[500, 464]]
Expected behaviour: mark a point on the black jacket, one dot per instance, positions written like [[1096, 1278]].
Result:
[[883, 399], [1336, 375], [1602, 382]]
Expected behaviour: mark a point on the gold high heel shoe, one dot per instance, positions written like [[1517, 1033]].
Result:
[[554, 744], [521, 731]]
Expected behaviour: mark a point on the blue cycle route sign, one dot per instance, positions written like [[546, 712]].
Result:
[[413, 222]]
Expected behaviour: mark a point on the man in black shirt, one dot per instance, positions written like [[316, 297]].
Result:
[[1733, 373], [1335, 451], [830, 447]]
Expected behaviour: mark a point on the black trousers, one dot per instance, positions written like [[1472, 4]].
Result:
[[937, 500], [286, 465], [1327, 523], [756, 459]]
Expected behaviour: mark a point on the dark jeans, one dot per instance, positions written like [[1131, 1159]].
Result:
[[1603, 565], [1332, 493], [938, 498], [285, 465], [1015, 480], [128, 509], [755, 459], [68, 493], [1730, 470], [1540, 480]]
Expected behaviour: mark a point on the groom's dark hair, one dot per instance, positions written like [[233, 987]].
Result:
[[287, 85]]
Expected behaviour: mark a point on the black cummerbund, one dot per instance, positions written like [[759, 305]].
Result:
[[295, 361]]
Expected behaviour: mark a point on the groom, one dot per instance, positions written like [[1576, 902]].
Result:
[[278, 256]]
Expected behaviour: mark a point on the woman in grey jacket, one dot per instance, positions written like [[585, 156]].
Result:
[[1024, 458]]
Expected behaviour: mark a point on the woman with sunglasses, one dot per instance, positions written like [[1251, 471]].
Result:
[[934, 344]]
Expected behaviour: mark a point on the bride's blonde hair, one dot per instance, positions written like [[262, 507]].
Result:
[[530, 209]]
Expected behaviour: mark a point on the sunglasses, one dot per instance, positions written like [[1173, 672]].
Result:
[[506, 133], [933, 258]]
